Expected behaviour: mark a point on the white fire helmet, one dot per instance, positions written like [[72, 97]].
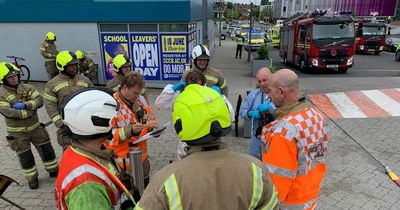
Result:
[[200, 51], [88, 113]]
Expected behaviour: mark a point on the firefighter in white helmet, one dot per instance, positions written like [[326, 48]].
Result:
[[88, 176], [201, 60]]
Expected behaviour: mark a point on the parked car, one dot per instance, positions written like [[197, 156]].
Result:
[[393, 40]]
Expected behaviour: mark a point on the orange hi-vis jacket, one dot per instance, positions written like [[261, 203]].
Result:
[[295, 150], [123, 139]]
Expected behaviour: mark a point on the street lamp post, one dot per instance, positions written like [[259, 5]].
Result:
[[220, 8], [251, 26]]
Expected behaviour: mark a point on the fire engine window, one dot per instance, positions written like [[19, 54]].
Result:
[[308, 33], [302, 33]]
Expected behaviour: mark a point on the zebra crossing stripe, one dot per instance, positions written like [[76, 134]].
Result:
[[346, 107], [322, 102], [385, 102], [370, 108]]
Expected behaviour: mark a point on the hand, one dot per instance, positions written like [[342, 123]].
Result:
[[216, 88], [19, 106], [152, 125], [179, 86], [137, 128], [263, 107], [255, 114], [64, 130]]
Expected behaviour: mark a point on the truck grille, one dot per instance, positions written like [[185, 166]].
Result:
[[327, 53], [329, 61], [372, 45]]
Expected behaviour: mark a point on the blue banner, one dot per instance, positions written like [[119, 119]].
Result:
[[145, 55], [174, 55], [112, 45]]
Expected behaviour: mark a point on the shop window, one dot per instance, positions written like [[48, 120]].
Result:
[[113, 28], [173, 27], [143, 27]]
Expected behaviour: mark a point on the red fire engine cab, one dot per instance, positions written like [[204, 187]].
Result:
[[317, 41], [370, 36]]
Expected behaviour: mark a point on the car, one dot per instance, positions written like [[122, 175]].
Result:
[[397, 54], [393, 40], [257, 39]]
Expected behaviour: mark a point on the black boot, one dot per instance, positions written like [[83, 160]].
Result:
[[34, 183], [53, 174]]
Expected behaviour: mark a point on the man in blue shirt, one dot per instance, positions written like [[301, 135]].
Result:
[[258, 108]]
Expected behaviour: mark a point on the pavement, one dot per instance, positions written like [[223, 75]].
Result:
[[355, 180]]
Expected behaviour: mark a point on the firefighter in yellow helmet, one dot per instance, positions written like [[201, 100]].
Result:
[[64, 84], [86, 66], [19, 104], [122, 67], [48, 49], [202, 179]]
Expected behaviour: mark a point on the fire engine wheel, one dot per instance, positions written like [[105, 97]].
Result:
[[343, 70], [285, 59], [397, 56]]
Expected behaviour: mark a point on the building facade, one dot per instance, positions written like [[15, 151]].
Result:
[[286, 8], [157, 35]]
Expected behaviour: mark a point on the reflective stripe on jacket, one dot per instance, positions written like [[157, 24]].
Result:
[[57, 89], [84, 169], [203, 179], [24, 120], [296, 146], [122, 131]]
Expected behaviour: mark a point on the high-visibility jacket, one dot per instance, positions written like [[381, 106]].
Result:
[[123, 137], [296, 146], [24, 120], [213, 77], [85, 183], [57, 89], [240, 40], [211, 179]]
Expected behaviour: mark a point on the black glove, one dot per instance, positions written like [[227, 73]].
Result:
[[65, 130]]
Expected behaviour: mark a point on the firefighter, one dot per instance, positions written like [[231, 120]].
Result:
[[134, 119], [64, 84], [201, 59], [122, 66], [88, 177], [86, 65], [19, 104], [48, 49], [295, 143], [258, 108], [210, 176]]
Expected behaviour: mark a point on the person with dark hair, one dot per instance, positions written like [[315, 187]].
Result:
[[133, 120], [88, 177], [209, 176]]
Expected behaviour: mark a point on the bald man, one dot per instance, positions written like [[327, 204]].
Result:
[[295, 144], [258, 108]]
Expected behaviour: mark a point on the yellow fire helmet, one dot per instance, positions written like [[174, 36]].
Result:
[[7, 70], [200, 115], [79, 54], [65, 58], [50, 36], [119, 61]]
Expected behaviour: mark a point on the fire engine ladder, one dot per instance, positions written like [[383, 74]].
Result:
[[297, 16]]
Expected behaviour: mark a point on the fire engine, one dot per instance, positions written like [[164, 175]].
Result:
[[370, 36], [318, 41]]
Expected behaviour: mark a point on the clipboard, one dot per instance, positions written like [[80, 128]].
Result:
[[154, 133]]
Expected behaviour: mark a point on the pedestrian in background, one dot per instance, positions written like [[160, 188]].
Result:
[[59, 87], [295, 143], [86, 65], [19, 104], [258, 108], [209, 176], [201, 60], [239, 46], [48, 49]]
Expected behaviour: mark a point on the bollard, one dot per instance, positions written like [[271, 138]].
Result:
[[135, 160]]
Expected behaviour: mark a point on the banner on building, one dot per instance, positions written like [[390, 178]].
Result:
[[174, 55], [145, 55], [113, 44]]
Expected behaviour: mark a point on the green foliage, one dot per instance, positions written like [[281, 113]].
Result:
[[263, 53], [264, 2], [273, 68]]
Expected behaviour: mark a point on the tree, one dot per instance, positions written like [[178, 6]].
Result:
[[229, 5], [264, 2]]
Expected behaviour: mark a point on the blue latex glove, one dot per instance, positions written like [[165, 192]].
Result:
[[179, 86], [19, 106], [263, 107], [255, 114], [216, 88]]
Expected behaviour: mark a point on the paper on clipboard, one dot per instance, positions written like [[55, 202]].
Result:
[[154, 133]]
